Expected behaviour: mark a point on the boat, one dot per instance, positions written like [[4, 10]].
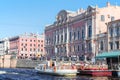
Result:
[[115, 70], [60, 69], [94, 70]]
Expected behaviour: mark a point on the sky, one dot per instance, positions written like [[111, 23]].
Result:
[[31, 16]]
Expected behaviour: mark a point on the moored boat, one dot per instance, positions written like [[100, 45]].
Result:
[[57, 69], [94, 70]]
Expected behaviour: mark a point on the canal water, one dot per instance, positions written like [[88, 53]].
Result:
[[30, 74]]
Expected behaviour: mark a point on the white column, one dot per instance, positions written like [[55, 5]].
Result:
[[63, 34], [94, 48], [85, 43], [67, 47]]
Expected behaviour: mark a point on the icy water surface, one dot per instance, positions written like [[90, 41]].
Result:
[[30, 74]]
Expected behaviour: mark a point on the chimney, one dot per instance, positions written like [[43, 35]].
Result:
[[108, 4]]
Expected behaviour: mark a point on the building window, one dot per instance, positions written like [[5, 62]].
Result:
[[65, 49], [65, 37], [38, 40], [111, 32], [61, 49], [25, 44], [78, 48], [34, 45], [21, 49], [83, 48], [58, 50], [30, 49], [83, 35], [41, 40], [34, 40], [117, 44], [89, 47], [41, 50], [102, 18], [112, 18], [61, 38], [117, 31], [30, 54], [26, 55], [41, 45], [26, 49], [58, 38], [30, 40], [22, 44], [101, 45], [111, 45], [34, 49], [38, 45], [90, 31]]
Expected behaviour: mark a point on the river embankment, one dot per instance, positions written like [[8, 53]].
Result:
[[9, 61]]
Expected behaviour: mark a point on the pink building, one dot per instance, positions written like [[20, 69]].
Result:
[[27, 45], [75, 33]]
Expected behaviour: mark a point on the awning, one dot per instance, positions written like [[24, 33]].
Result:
[[108, 54]]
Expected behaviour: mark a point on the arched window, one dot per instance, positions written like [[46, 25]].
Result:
[[78, 35], [74, 35]]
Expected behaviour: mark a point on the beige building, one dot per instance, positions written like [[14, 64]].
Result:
[[101, 45], [113, 35], [75, 33]]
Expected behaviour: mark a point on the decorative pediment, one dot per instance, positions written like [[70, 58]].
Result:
[[90, 8], [62, 16]]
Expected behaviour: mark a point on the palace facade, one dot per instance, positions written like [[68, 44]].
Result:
[[76, 33]]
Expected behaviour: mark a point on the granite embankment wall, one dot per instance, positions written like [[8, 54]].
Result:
[[23, 63], [9, 61]]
